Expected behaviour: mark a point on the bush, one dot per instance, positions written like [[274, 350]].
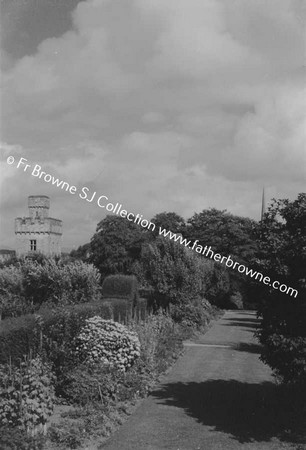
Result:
[[235, 301], [12, 438], [12, 300], [160, 341], [50, 331], [30, 283], [26, 395], [94, 383], [121, 286], [218, 287], [17, 338], [286, 356], [177, 276], [194, 314], [160, 344], [282, 255], [58, 283], [121, 309], [107, 342]]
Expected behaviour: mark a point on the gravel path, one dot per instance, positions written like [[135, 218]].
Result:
[[219, 395]]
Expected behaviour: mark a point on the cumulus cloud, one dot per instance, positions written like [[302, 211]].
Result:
[[164, 105]]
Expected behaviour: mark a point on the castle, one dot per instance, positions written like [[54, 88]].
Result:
[[38, 233]]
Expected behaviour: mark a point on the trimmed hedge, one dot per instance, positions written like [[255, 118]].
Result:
[[121, 286]]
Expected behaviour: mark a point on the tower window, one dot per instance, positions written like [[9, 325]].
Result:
[[33, 245]]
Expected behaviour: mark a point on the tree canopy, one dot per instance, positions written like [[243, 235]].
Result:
[[169, 221], [116, 245], [225, 233]]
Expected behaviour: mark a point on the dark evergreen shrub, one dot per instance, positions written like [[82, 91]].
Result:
[[17, 338], [235, 301], [121, 287]]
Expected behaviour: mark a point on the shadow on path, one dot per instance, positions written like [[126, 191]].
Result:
[[245, 324], [249, 412], [246, 347]]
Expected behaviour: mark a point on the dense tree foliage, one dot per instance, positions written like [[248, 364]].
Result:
[[82, 252], [179, 276], [228, 235], [225, 233], [116, 245], [169, 221], [282, 256]]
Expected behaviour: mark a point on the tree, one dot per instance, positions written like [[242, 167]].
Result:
[[179, 276], [282, 256], [82, 252], [169, 221], [225, 233], [228, 235], [116, 245]]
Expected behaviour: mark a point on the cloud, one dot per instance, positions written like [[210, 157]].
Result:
[[163, 105]]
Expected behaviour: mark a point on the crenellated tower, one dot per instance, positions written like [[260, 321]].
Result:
[[38, 233]]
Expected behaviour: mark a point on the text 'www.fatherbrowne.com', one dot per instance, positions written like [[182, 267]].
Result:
[[209, 253]]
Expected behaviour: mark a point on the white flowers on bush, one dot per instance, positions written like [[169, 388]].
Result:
[[107, 342]]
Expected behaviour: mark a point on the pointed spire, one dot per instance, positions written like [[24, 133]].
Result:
[[263, 204]]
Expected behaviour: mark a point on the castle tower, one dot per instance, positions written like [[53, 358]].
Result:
[[38, 233]]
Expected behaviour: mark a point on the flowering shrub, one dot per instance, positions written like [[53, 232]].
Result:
[[26, 394], [160, 339], [107, 342]]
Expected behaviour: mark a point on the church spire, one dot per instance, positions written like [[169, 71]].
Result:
[[263, 204]]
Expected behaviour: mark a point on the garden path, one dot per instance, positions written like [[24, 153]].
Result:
[[218, 395]]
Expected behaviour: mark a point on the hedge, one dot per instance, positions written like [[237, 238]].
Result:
[[31, 333], [121, 286]]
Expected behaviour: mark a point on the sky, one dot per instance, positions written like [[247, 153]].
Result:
[[160, 105]]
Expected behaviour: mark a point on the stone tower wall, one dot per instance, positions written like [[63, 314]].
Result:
[[45, 231], [38, 206]]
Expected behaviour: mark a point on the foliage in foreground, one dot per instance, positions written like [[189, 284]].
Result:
[[107, 342], [27, 395], [103, 395], [29, 284], [282, 236]]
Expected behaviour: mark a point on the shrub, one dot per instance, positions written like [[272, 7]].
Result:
[[160, 344], [178, 276], [12, 299], [94, 383], [12, 438], [194, 314], [121, 286], [50, 330], [17, 338], [219, 286], [55, 282], [26, 395], [32, 282], [121, 309], [107, 342], [160, 341], [235, 301], [282, 255]]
